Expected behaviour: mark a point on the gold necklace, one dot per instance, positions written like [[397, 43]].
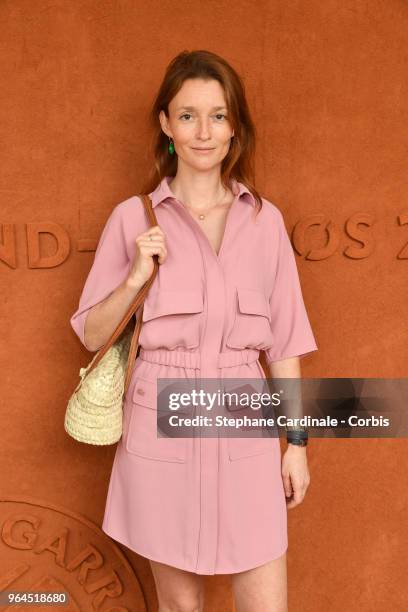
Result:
[[201, 216]]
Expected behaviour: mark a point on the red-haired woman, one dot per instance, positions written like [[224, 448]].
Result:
[[227, 288]]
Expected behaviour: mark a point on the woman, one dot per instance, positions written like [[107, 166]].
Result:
[[227, 288]]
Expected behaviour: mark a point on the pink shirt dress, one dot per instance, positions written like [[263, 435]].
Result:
[[207, 505]]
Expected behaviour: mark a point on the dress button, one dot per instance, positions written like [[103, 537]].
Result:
[[140, 391]]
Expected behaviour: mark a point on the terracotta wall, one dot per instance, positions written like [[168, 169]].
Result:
[[327, 84]]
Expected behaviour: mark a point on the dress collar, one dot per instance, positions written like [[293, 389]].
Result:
[[163, 191]]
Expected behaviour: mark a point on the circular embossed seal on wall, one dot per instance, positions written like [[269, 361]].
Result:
[[48, 548]]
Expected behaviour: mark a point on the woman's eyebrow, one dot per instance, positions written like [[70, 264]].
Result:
[[191, 108]]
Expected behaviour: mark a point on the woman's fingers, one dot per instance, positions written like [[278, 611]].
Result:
[[298, 489], [152, 242], [287, 485], [156, 230]]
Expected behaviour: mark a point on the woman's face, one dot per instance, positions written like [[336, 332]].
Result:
[[198, 119]]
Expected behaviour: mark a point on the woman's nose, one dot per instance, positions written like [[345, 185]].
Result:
[[203, 129]]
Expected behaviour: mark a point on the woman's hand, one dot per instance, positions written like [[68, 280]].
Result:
[[142, 266], [295, 474]]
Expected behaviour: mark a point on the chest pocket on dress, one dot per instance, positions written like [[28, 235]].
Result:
[[172, 318], [252, 321], [141, 427]]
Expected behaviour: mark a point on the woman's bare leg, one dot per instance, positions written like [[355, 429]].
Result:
[[262, 589], [177, 590]]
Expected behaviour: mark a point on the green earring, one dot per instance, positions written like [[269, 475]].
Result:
[[171, 146]]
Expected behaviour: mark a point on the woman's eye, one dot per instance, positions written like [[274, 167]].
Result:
[[218, 115]]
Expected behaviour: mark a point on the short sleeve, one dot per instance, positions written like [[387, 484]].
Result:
[[109, 269], [291, 328]]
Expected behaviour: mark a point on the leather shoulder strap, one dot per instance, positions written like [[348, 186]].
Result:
[[135, 308]]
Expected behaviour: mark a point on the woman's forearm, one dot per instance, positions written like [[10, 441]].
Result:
[[290, 368], [285, 368], [104, 317]]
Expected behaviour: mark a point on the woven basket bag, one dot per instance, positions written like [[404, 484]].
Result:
[[94, 412]]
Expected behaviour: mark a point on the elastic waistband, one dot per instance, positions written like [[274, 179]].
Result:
[[193, 360]]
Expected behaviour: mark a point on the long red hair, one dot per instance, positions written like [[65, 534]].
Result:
[[239, 161]]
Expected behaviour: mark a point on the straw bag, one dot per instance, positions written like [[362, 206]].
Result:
[[95, 410]]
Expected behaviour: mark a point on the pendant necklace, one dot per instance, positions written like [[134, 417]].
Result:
[[201, 216]]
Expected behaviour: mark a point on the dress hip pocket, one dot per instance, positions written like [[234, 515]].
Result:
[[141, 436]]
